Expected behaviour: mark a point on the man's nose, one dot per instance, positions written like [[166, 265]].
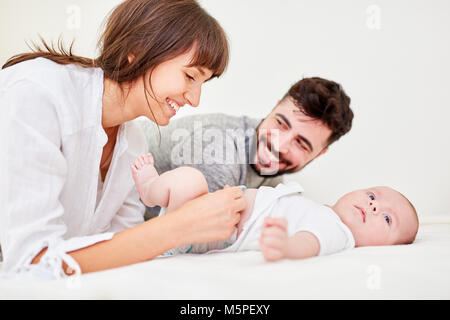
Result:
[[281, 141]]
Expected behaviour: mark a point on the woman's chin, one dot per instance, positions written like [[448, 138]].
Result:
[[161, 121]]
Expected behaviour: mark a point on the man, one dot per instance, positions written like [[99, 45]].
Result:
[[232, 150]]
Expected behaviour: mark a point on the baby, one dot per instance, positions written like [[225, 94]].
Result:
[[281, 222]]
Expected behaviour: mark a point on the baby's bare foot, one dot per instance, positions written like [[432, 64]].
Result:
[[144, 173]]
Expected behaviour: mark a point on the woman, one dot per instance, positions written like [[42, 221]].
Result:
[[71, 205]]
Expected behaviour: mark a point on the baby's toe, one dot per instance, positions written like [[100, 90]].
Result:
[[142, 161], [149, 159], [137, 164]]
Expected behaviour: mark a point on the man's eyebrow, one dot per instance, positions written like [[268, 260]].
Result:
[[302, 138]]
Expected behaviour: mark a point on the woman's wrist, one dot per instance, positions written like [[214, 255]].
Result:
[[178, 226]]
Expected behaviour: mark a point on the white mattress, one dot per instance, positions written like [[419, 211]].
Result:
[[417, 271]]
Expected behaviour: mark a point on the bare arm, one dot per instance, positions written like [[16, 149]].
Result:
[[211, 217], [276, 244], [137, 244], [302, 245]]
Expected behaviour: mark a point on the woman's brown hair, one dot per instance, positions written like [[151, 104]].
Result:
[[153, 31]]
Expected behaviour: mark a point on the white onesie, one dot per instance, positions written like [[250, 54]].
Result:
[[302, 214]]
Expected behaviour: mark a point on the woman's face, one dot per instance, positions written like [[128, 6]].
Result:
[[172, 85]]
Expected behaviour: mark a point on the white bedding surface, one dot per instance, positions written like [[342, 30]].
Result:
[[417, 271]]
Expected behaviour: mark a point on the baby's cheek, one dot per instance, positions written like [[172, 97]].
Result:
[[371, 236], [362, 237]]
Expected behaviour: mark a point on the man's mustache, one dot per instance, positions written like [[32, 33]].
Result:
[[273, 151]]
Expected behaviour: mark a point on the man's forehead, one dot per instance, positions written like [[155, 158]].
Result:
[[295, 115], [286, 104], [291, 111]]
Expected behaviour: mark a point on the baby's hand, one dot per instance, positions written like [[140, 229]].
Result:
[[274, 239]]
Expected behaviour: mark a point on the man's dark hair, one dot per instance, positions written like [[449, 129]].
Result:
[[326, 101]]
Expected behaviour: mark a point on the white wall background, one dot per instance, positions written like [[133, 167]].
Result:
[[392, 57]]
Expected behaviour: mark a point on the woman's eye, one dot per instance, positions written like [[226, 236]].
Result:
[[190, 77], [388, 220], [371, 197]]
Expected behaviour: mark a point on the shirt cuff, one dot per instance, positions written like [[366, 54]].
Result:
[[50, 264]]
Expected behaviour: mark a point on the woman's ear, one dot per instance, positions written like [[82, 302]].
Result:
[[131, 58]]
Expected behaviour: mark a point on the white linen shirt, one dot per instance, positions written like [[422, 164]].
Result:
[[53, 146]]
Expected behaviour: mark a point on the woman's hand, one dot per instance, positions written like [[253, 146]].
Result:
[[211, 217]]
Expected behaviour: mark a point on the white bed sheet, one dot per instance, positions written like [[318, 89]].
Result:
[[417, 271]]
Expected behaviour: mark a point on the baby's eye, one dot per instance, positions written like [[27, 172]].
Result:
[[371, 197], [388, 220]]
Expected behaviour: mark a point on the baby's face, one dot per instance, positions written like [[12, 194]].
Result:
[[377, 216]]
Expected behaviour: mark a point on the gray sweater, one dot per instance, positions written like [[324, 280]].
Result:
[[220, 146]]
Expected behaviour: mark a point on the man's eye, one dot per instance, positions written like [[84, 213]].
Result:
[[300, 144], [280, 123], [388, 220], [371, 197]]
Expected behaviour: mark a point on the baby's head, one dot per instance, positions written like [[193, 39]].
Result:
[[378, 216]]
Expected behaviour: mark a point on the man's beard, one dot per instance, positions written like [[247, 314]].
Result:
[[253, 157], [271, 175]]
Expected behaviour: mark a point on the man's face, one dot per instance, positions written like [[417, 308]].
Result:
[[287, 140]]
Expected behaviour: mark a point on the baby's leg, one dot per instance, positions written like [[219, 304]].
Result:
[[171, 189], [184, 183]]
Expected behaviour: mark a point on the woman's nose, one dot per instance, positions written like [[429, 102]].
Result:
[[193, 96]]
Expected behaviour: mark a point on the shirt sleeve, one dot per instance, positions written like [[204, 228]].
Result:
[[130, 214], [330, 233], [32, 216]]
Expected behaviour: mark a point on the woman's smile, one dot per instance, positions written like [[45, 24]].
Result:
[[173, 106]]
